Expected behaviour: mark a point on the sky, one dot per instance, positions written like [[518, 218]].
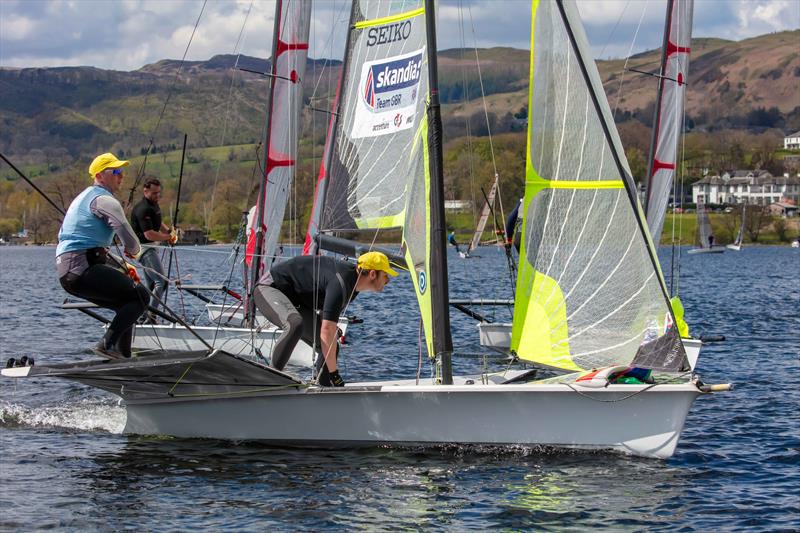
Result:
[[128, 34]]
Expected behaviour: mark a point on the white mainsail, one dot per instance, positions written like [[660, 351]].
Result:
[[589, 292], [668, 123], [703, 224], [290, 50], [740, 235], [485, 212]]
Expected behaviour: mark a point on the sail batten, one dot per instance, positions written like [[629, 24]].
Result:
[[589, 291]]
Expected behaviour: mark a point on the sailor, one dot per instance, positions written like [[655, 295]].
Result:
[[451, 238], [513, 225], [292, 292], [147, 224], [92, 219], [710, 241]]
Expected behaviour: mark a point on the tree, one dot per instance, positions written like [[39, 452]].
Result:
[[781, 229], [756, 220]]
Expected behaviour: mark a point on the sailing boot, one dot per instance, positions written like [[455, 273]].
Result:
[[124, 343], [106, 349]]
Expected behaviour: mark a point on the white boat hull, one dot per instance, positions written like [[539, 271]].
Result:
[[232, 314], [647, 424], [497, 336], [238, 341], [734, 247], [714, 250]]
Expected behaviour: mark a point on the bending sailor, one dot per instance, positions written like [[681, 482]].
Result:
[[292, 291]]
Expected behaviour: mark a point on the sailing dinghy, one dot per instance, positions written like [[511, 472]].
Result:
[[736, 245], [594, 297], [705, 237]]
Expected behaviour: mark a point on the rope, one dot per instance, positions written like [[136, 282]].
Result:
[[636, 393]]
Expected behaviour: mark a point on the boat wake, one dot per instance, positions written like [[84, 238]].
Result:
[[86, 415]]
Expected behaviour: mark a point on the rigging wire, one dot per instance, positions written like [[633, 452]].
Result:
[[627, 58], [140, 172], [485, 110], [234, 70]]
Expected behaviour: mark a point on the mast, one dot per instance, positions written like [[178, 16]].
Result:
[[289, 58], [311, 245], [440, 294], [255, 271], [657, 112]]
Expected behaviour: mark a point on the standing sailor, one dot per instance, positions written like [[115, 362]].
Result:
[[146, 222], [513, 227], [92, 219], [451, 238], [292, 291]]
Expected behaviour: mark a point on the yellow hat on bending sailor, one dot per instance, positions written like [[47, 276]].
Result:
[[104, 161], [375, 261]]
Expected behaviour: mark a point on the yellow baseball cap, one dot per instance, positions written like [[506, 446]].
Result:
[[104, 161], [375, 261]]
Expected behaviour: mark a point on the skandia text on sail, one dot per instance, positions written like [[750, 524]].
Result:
[[389, 78]]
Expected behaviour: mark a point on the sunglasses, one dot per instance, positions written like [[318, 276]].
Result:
[[116, 171]]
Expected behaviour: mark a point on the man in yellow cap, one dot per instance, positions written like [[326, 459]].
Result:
[[92, 220], [292, 292]]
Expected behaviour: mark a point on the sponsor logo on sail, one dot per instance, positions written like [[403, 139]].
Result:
[[387, 83], [389, 33], [422, 281], [388, 94]]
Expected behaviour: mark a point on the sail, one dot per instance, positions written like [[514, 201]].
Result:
[[589, 291], [668, 123], [290, 49], [487, 209], [703, 224], [378, 173], [740, 235]]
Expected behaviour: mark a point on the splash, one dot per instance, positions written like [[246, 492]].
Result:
[[82, 415]]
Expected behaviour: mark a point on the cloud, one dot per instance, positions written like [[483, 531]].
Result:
[[127, 34]]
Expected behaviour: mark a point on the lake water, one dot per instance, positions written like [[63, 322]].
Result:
[[64, 463]]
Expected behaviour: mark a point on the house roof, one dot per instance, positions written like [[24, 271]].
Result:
[[764, 178], [795, 134]]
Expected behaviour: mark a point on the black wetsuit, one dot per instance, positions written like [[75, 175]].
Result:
[[146, 215], [292, 292]]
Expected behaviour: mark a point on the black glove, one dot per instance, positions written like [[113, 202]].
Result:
[[335, 379]]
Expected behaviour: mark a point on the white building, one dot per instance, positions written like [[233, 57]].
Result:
[[792, 142], [757, 187]]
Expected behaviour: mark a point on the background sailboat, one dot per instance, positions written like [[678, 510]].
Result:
[[736, 245], [704, 234]]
